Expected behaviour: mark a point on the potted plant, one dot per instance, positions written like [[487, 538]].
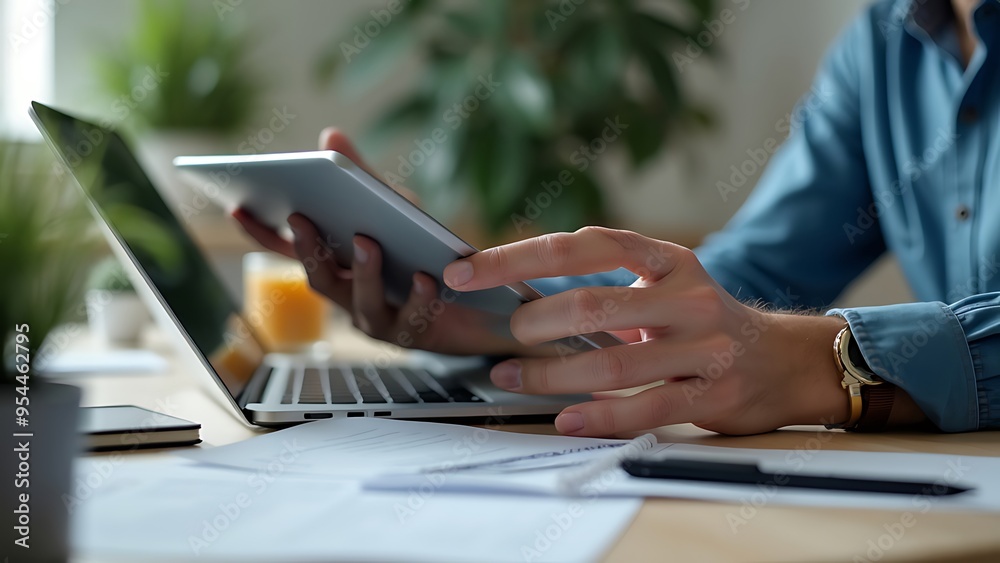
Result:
[[181, 82], [514, 102], [44, 250], [115, 313]]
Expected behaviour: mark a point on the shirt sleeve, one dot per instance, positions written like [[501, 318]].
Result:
[[796, 242], [550, 286], [946, 357]]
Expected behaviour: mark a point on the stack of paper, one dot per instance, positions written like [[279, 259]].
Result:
[[375, 489], [296, 495]]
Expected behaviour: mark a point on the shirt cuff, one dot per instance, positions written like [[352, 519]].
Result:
[[922, 348]]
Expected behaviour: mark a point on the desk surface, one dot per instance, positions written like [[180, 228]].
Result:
[[681, 530]]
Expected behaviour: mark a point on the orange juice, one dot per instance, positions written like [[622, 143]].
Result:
[[279, 304]]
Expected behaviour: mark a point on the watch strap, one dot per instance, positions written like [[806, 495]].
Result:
[[876, 405]]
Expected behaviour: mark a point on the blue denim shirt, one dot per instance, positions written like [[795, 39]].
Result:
[[896, 148]]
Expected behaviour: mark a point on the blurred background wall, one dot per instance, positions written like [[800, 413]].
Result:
[[765, 62]]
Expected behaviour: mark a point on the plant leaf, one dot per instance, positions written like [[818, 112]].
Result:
[[524, 94]]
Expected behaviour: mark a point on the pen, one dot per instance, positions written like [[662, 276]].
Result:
[[750, 474]]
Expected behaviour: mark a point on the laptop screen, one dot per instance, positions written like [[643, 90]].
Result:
[[157, 243]]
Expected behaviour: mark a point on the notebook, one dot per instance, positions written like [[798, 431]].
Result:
[[126, 427]]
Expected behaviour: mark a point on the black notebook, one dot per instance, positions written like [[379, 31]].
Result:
[[125, 427]]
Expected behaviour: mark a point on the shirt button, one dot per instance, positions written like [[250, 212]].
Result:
[[962, 213], [968, 115]]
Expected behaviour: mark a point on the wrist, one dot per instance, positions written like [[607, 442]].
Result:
[[816, 393]]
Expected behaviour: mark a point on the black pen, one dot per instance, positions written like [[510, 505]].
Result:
[[750, 474]]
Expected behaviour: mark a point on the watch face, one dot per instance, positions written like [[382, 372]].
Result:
[[857, 360], [854, 354]]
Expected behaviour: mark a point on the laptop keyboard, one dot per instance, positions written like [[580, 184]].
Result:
[[347, 385]]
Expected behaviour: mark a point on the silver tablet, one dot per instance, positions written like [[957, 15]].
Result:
[[342, 200]]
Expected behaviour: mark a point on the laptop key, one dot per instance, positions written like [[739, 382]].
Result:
[[340, 393], [397, 392], [369, 393], [312, 388], [417, 383], [432, 397], [463, 395]]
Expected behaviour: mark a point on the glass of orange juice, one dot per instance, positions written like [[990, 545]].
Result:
[[279, 305]]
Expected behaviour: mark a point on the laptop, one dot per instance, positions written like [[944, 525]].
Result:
[[263, 388]]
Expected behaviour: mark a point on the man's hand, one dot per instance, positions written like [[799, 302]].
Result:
[[425, 321], [703, 356]]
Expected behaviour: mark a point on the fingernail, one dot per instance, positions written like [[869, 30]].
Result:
[[458, 273], [419, 286], [569, 422], [507, 375], [360, 255]]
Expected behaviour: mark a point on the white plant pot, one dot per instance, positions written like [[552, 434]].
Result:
[[116, 318], [157, 150]]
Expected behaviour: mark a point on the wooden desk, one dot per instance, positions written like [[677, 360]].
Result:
[[671, 530]]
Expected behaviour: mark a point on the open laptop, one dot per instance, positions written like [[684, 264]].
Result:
[[263, 388]]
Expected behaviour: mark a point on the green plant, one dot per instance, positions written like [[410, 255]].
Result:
[[181, 68], [109, 275], [46, 245], [559, 73]]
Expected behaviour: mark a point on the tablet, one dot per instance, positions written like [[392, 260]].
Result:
[[342, 200]]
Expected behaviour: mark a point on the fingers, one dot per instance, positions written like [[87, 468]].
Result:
[[371, 312], [589, 250], [592, 309], [411, 316], [333, 139], [651, 408], [325, 276], [266, 236], [607, 369]]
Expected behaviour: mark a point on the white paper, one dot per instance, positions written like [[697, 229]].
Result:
[[982, 473], [362, 447], [175, 511]]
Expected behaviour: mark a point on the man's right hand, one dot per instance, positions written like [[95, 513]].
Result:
[[360, 290]]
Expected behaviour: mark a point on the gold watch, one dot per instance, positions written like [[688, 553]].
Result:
[[870, 397]]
